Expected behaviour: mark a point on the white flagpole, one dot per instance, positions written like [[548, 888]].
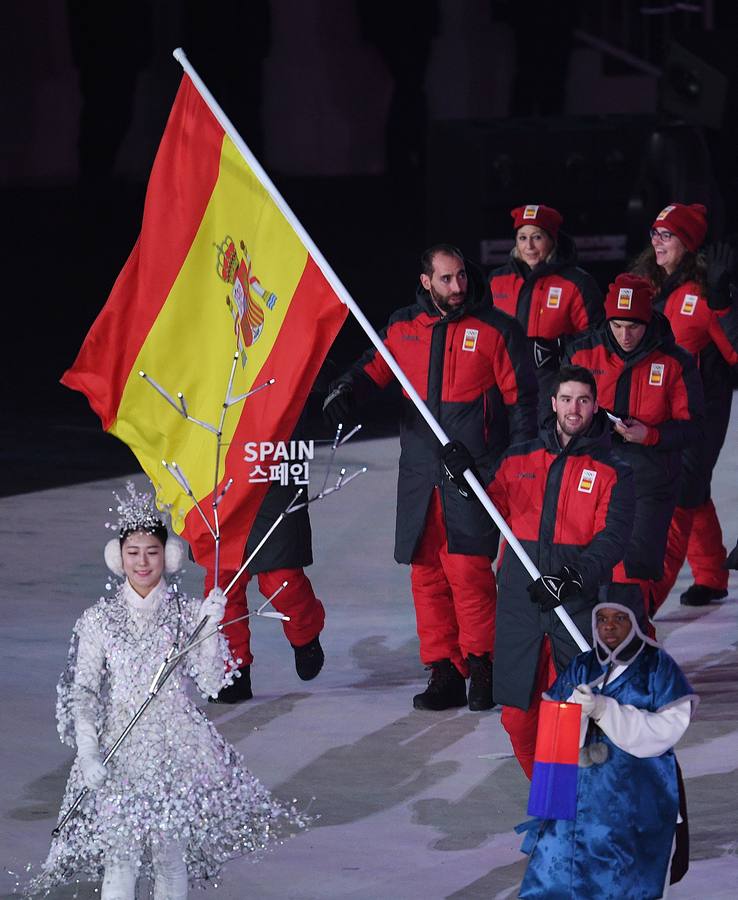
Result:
[[346, 298]]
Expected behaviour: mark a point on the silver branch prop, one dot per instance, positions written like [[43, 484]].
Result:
[[181, 407]]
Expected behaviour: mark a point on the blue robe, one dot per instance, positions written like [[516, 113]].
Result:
[[619, 846]]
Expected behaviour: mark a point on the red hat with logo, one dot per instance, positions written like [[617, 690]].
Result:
[[688, 223], [545, 217], [630, 298]]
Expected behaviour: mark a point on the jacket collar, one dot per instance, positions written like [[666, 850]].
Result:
[[150, 602]]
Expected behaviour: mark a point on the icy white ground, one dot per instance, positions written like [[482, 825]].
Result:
[[410, 804]]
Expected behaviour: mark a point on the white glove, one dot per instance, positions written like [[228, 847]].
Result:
[[93, 771], [593, 705], [213, 606]]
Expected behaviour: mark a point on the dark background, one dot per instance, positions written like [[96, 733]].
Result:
[[387, 126]]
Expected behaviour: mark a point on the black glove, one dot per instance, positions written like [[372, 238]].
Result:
[[550, 591], [720, 260], [732, 561], [457, 459], [339, 407]]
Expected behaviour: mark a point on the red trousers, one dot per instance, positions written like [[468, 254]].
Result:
[[455, 597], [694, 535], [297, 601], [522, 724]]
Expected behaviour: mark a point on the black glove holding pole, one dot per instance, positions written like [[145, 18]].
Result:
[[456, 460], [720, 260], [339, 407], [550, 591]]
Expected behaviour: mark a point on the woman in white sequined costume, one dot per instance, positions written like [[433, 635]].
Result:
[[175, 802]]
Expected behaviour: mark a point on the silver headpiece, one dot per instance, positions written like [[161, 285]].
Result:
[[136, 512]]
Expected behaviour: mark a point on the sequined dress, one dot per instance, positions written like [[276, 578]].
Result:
[[174, 778]]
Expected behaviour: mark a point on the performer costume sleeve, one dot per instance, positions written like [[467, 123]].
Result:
[[210, 664], [642, 733], [82, 689], [88, 677]]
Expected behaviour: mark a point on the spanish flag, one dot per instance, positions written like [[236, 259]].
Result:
[[218, 271]]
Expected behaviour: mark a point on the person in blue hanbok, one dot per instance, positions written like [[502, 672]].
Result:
[[636, 705]]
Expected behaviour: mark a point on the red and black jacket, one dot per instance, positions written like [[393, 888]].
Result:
[[571, 506], [471, 369], [712, 337], [658, 384], [555, 299]]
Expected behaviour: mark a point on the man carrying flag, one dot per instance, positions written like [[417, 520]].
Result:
[[219, 297], [570, 503]]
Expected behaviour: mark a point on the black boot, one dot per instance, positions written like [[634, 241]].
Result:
[[309, 659], [237, 692], [480, 682], [701, 595], [446, 688]]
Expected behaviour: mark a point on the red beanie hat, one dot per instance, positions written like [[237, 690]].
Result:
[[630, 297], [688, 223], [545, 217]]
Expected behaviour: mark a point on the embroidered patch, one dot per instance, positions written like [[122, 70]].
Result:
[[470, 339], [530, 212], [587, 480], [554, 298], [657, 374], [625, 298], [689, 304], [664, 213]]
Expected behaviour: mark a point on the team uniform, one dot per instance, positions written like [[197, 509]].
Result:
[[695, 532], [471, 369], [551, 300], [571, 506], [656, 383]]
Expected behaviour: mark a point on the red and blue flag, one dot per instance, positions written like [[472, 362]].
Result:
[[553, 789]]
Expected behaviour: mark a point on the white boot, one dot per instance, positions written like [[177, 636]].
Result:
[[119, 882], [170, 872]]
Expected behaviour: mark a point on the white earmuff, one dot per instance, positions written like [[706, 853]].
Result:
[[113, 556], [173, 555]]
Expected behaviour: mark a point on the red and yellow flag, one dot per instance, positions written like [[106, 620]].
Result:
[[217, 270]]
